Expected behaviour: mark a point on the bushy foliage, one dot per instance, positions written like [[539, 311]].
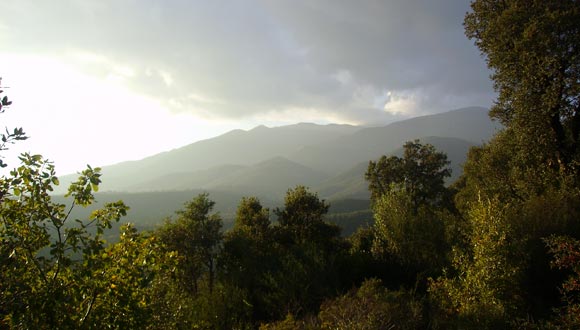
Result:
[[58, 272], [372, 307], [196, 236], [417, 239], [566, 251], [482, 289]]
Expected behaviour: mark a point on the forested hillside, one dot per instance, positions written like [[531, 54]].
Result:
[[497, 248]]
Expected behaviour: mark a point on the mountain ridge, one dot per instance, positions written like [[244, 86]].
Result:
[[318, 153]]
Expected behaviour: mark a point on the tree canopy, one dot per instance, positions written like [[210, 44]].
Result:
[[196, 236], [532, 49], [421, 172]]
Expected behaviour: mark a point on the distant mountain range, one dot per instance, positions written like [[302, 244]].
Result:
[[331, 159], [266, 162]]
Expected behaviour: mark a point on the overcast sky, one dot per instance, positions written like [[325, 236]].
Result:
[[102, 81]]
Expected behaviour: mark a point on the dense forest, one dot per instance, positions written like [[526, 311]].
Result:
[[497, 249]]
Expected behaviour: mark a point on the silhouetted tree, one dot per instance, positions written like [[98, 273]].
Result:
[[421, 172]]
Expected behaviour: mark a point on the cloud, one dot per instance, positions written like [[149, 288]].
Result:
[[364, 61]]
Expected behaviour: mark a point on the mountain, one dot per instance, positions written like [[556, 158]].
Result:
[[469, 124], [179, 181], [267, 161], [270, 178], [236, 147]]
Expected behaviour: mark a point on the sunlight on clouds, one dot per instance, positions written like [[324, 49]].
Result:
[[113, 71], [402, 104], [202, 99], [196, 103], [381, 99], [364, 96], [75, 119], [121, 73], [100, 90], [294, 115], [167, 78], [87, 57]]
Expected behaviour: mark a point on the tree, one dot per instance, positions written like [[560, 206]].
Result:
[[58, 272], [51, 265], [248, 254], [373, 307], [406, 193], [421, 172], [531, 167], [416, 238], [252, 217], [532, 48], [124, 280], [566, 254], [484, 291], [491, 171], [196, 236], [9, 137], [303, 216], [308, 248]]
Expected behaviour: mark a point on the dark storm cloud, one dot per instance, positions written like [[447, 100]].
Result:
[[245, 58]]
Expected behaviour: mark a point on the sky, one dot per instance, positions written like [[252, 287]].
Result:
[[103, 81]]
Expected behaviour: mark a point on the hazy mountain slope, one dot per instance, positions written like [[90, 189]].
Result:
[[469, 124], [273, 176], [187, 180], [236, 147], [270, 178], [348, 184], [325, 150]]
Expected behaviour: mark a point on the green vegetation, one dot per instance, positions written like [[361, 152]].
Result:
[[497, 249]]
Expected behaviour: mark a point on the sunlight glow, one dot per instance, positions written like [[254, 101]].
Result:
[[402, 104], [74, 119]]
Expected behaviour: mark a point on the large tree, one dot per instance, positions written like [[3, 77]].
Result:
[[421, 172], [529, 171], [532, 48], [308, 248], [407, 193]]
